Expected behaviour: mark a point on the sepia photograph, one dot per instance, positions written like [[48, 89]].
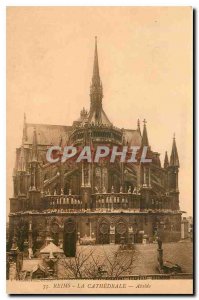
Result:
[[99, 150]]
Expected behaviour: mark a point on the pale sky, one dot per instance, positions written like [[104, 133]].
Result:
[[145, 59]]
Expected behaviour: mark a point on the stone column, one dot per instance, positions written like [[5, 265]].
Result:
[[89, 175], [144, 169], [160, 254], [30, 233], [149, 177], [82, 174], [160, 258], [30, 252]]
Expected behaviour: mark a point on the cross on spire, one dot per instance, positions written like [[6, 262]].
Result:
[[145, 141], [144, 121]]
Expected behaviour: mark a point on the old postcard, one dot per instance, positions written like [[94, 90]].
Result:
[[99, 150]]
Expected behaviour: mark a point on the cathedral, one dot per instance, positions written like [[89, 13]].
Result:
[[91, 203]]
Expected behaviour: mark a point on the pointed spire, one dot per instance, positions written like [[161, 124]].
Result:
[[166, 160], [96, 91], [34, 146], [174, 160], [138, 126], [15, 169], [24, 138], [96, 76], [22, 164], [145, 141]]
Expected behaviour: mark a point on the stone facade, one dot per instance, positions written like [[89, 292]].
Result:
[[103, 202]]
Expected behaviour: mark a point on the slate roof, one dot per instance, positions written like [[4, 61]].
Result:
[[47, 134], [133, 137], [52, 134], [103, 118]]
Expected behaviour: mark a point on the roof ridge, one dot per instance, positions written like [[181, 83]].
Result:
[[51, 125]]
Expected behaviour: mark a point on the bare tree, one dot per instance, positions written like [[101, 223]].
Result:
[[75, 266], [120, 263], [97, 262]]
